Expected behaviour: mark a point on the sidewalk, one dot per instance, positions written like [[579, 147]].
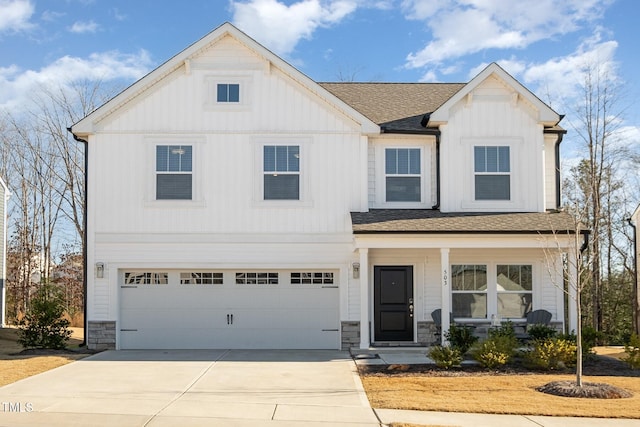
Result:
[[459, 419]]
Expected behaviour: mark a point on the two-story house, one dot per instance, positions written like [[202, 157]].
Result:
[[233, 202]]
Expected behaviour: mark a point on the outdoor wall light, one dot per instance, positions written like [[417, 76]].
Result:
[[99, 270], [356, 270]]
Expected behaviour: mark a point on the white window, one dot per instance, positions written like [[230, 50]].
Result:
[[403, 175], [479, 291], [201, 278], [174, 177], [281, 172], [514, 290], [469, 291], [492, 172], [228, 92]]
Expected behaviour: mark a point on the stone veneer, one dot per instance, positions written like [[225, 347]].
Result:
[[350, 334], [101, 335]]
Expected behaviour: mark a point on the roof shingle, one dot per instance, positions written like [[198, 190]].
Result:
[[434, 221]]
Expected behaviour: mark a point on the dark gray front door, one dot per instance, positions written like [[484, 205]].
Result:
[[393, 303]]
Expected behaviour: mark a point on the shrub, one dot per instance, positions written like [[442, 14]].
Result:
[[632, 348], [587, 344], [505, 330], [541, 332], [445, 357], [551, 353], [461, 337], [497, 350], [44, 326]]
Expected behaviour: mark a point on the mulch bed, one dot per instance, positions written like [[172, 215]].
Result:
[[593, 367], [53, 352]]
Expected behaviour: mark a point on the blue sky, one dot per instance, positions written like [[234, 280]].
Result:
[[543, 43]]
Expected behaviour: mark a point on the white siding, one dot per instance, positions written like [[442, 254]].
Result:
[[550, 171], [492, 117]]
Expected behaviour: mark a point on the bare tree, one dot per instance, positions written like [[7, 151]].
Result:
[[574, 267], [44, 167], [596, 125]]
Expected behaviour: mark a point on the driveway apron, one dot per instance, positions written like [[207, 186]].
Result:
[[193, 388]]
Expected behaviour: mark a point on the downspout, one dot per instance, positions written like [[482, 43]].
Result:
[[558, 180], [84, 236], [636, 303], [437, 205]]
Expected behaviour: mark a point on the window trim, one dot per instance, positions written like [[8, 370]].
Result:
[[305, 145], [427, 171], [211, 82], [466, 162], [197, 177], [492, 286]]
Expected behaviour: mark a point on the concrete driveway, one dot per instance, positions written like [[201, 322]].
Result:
[[193, 388]]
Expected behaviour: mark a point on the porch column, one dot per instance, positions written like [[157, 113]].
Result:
[[364, 299], [446, 291]]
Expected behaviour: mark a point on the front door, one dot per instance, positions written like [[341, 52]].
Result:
[[393, 303]]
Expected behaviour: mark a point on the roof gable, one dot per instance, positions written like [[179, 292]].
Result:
[[86, 125], [545, 114]]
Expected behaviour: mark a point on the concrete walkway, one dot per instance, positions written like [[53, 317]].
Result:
[[224, 388]]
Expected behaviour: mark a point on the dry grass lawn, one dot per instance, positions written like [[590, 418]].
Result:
[[483, 392], [503, 394], [15, 366]]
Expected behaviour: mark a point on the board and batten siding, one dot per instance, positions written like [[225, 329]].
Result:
[[550, 189], [492, 118], [227, 148]]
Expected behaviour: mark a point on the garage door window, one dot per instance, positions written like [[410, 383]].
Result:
[[304, 278], [250, 278], [145, 278], [201, 278]]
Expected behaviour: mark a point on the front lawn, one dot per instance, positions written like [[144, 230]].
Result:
[[16, 364], [505, 391]]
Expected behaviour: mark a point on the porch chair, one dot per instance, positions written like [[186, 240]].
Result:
[[436, 315], [535, 317]]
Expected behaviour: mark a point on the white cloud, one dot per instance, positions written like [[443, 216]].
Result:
[[79, 27], [563, 77], [15, 15], [464, 27], [280, 27], [16, 85]]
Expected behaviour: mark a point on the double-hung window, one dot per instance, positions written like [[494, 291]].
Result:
[[403, 175], [469, 291], [228, 92], [492, 171], [174, 177], [514, 289], [281, 172]]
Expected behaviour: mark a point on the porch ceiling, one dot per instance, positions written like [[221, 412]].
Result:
[[433, 221]]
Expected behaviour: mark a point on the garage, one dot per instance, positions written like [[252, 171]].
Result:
[[228, 309]]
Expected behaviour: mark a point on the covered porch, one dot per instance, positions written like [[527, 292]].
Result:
[[480, 269]]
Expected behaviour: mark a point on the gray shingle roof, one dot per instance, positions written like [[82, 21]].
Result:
[[394, 105], [433, 221]]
